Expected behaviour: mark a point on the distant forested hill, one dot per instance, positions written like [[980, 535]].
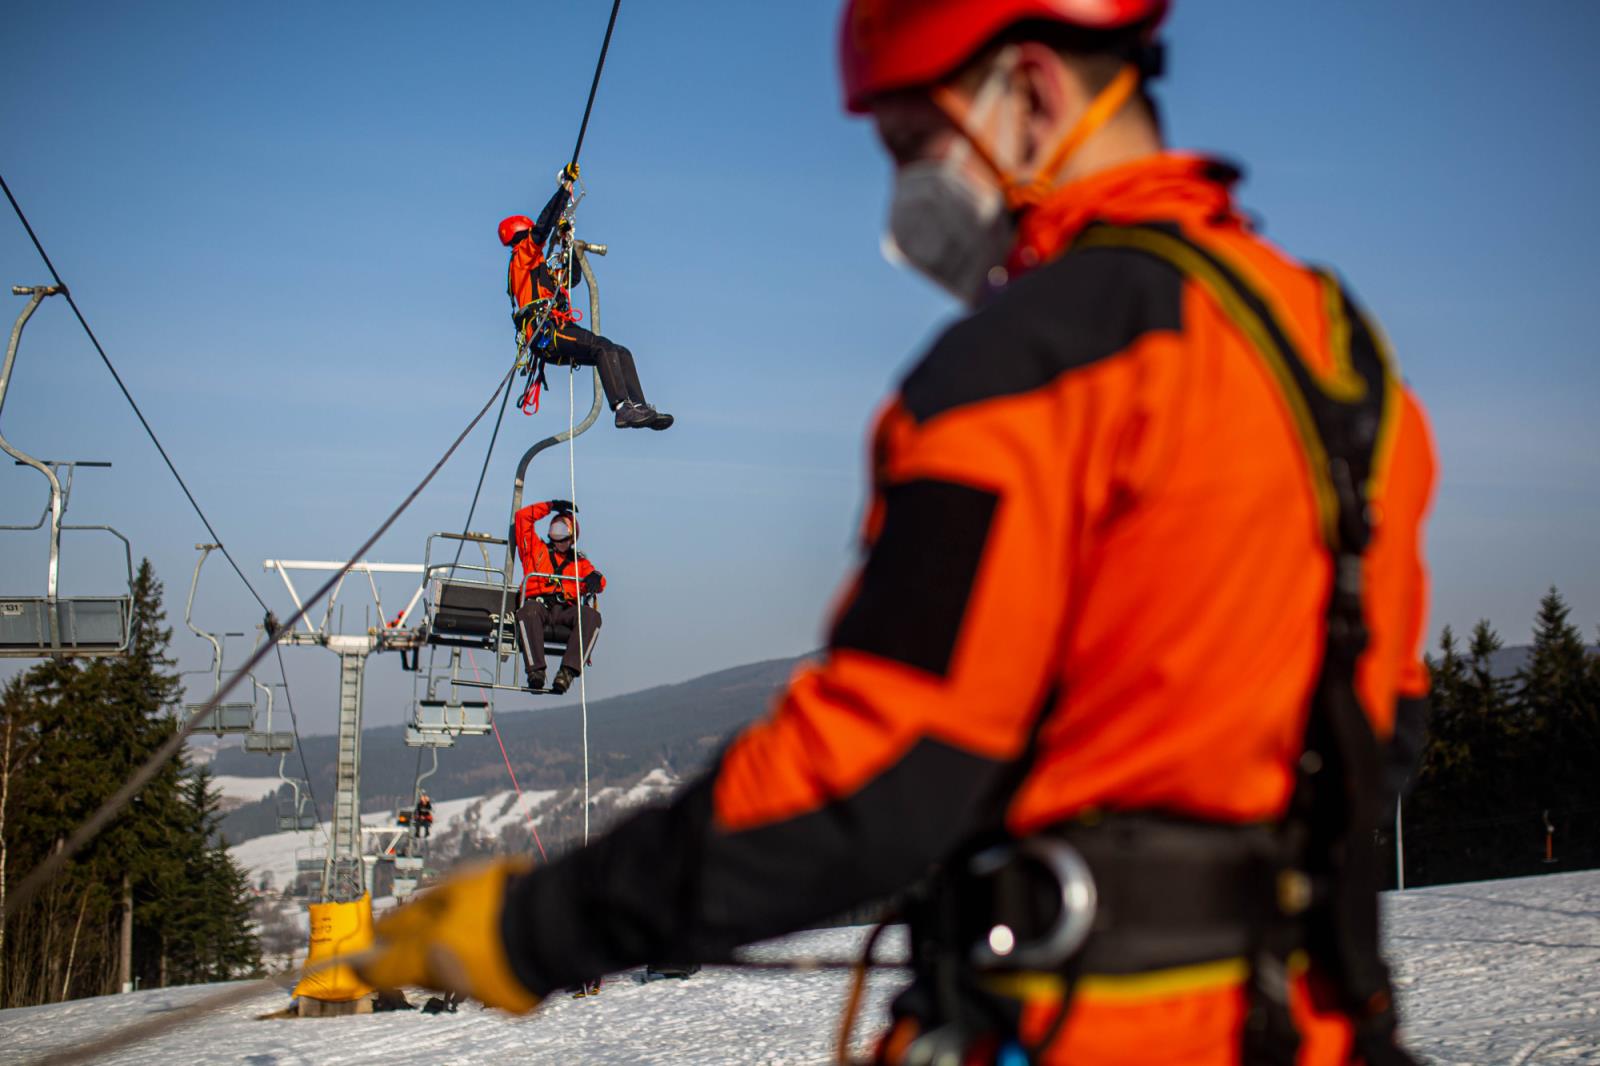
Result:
[[678, 726]]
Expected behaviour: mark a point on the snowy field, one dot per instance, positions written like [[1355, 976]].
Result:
[[1498, 972], [275, 853]]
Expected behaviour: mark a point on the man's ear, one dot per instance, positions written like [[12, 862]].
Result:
[[1052, 98]]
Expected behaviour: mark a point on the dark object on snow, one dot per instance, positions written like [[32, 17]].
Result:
[[391, 999], [441, 1005], [661, 970]]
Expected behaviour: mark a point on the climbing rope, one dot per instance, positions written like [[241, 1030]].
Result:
[[577, 630]]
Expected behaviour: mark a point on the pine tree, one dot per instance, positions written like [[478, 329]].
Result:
[[72, 732], [1555, 697]]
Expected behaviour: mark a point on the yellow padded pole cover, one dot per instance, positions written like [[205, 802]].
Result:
[[337, 929]]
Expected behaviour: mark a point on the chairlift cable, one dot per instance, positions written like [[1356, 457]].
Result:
[[40, 875], [594, 85], [300, 749], [66, 291], [216, 537]]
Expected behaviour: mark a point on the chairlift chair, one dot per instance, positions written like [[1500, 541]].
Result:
[[229, 717], [477, 612], [267, 741], [294, 814], [52, 625]]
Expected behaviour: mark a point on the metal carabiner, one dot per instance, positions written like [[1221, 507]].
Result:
[[1001, 949]]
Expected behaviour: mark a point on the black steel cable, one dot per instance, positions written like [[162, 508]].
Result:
[[216, 537], [126, 395], [41, 874], [299, 746], [484, 470], [594, 85]]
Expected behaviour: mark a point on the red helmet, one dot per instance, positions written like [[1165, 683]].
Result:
[[510, 227], [897, 44]]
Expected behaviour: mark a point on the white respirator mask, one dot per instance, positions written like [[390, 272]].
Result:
[[954, 227], [946, 223]]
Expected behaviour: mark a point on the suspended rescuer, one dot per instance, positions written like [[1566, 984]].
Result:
[[547, 325], [558, 579], [1140, 607]]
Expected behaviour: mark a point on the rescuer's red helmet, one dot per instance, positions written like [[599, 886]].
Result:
[[899, 44], [510, 227]]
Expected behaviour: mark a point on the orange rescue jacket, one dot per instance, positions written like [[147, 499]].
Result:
[[538, 559], [1093, 578]]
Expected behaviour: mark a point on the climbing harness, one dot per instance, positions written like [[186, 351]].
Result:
[[1262, 902]]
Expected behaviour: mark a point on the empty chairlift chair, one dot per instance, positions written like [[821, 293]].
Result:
[[238, 716], [52, 625], [268, 741]]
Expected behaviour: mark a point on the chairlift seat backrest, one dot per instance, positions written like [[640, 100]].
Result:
[[32, 627], [273, 743], [470, 614], [452, 716], [416, 738], [225, 718], [303, 823]]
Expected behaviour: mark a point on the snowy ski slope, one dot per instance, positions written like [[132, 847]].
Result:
[[1498, 972]]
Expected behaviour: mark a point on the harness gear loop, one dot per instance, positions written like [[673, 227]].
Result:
[[1022, 194]]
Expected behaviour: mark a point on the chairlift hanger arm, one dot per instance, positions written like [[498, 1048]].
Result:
[[36, 295], [188, 614]]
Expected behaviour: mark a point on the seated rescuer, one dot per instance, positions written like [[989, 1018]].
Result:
[[424, 815], [1098, 606], [555, 601], [532, 284]]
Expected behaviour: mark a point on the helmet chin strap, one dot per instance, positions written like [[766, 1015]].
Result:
[[1021, 194]]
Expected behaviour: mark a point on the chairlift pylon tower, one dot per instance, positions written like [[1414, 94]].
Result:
[[344, 876]]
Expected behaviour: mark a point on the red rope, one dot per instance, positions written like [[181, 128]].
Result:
[[495, 726], [525, 813]]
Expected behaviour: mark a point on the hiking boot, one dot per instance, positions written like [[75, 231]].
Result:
[[659, 419], [536, 681], [563, 681], [634, 415]]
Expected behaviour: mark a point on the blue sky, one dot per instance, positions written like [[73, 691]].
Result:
[[280, 220]]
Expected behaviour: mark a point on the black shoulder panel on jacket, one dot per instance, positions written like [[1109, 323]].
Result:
[[919, 575], [1082, 308]]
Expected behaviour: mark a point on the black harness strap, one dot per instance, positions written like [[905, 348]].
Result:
[[1341, 420]]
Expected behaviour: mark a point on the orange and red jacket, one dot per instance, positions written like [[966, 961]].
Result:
[[528, 275], [1093, 578], [537, 558]]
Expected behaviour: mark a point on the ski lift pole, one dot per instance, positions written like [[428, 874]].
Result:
[[36, 295]]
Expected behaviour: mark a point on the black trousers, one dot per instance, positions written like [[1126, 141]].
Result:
[[572, 345], [535, 619]]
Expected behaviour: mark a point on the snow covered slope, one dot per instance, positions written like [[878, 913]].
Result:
[[1492, 973]]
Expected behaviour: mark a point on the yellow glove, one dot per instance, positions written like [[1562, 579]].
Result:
[[448, 939], [570, 172]]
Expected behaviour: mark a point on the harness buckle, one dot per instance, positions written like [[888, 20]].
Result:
[[1074, 887]]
